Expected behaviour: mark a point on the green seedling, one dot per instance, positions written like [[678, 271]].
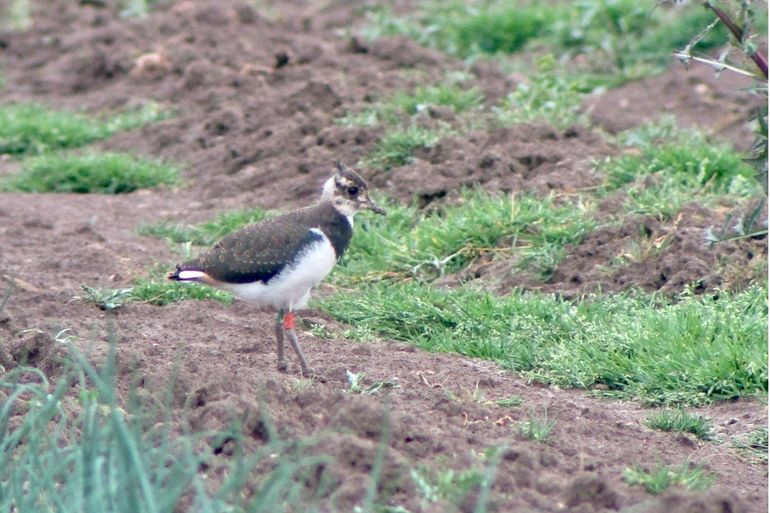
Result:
[[680, 420], [397, 147], [661, 477], [106, 299], [447, 95], [513, 401], [537, 429], [356, 384], [753, 445], [466, 30], [447, 485], [550, 96]]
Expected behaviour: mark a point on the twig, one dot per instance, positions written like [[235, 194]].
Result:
[[685, 57], [738, 33]]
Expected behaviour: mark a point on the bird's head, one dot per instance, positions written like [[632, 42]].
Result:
[[348, 192]]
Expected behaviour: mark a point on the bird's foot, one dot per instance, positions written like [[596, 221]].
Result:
[[281, 366], [309, 373]]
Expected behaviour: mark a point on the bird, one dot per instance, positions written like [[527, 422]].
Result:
[[276, 262]]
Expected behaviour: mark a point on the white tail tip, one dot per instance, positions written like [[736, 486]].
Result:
[[190, 275]]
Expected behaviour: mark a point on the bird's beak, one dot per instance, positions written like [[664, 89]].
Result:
[[371, 205]]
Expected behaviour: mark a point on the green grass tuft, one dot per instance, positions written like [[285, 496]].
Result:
[[680, 420], [672, 167], [398, 146], [448, 95], [411, 245], [625, 39], [160, 291], [16, 15], [65, 448], [550, 96], [537, 429], [466, 30], [661, 477], [130, 119], [753, 445], [153, 290], [513, 401], [105, 298], [616, 40], [105, 173], [689, 351], [35, 129], [446, 485], [392, 110]]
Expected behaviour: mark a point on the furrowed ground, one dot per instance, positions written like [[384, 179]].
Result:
[[564, 310]]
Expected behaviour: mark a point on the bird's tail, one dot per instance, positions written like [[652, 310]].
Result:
[[182, 274]]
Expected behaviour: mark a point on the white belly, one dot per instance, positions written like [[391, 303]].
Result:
[[290, 289]]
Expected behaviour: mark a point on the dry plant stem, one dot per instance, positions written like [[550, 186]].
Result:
[[738, 33]]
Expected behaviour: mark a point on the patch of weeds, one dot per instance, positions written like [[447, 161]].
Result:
[[448, 95], [661, 477], [694, 160], [31, 128], [357, 386], [682, 28], [319, 330], [150, 112], [154, 289], [398, 146], [513, 401], [104, 173], [550, 96], [754, 445], [742, 227], [207, 233], [392, 110], [686, 350], [370, 116], [35, 129], [159, 291], [301, 384], [680, 420], [642, 249], [137, 8], [537, 429], [411, 245], [445, 485], [625, 39], [464, 29], [660, 177], [758, 440], [16, 15], [661, 130], [105, 298], [617, 40], [65, 448]]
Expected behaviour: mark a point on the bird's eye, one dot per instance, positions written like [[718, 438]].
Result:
[[352, 191]]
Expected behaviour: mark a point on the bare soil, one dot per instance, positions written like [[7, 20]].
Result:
[[255, 100]]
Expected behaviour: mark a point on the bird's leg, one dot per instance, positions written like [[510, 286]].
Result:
[[279, 340], [288, 326]]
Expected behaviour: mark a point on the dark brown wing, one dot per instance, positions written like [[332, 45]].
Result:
[[257, 252]]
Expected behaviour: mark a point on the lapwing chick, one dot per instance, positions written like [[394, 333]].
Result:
[[278, 261]]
